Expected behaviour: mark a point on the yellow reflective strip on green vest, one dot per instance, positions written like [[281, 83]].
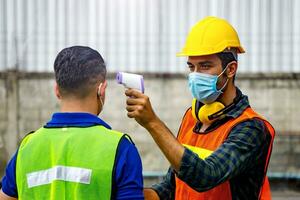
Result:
[[201, 152], [67, 163]]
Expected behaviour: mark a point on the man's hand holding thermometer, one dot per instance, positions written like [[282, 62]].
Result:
[[139, 108], [138, 104]]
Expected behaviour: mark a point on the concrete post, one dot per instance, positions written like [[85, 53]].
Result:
[[11, 138]]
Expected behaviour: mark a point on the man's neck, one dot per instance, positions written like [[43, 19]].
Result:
[[79, 106], [229, 95]]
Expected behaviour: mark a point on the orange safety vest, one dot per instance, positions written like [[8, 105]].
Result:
[[205, 144]]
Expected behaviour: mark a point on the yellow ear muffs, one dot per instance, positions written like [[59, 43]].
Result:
[[209, 109], [202, 113]]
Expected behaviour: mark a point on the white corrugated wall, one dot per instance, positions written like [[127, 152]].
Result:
[[144, 35]]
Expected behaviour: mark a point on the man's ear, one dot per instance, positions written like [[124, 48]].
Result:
[[56, 91], [231, 69], [102, 88]]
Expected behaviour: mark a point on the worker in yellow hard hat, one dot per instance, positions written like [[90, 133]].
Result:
[[223, 146]]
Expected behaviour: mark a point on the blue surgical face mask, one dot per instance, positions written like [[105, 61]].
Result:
[[204, 86]]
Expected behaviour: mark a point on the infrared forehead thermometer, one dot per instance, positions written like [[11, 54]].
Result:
[[134, 81]]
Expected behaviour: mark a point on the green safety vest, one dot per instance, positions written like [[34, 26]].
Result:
[[67, 163]]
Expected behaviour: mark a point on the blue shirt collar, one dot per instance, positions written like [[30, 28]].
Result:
[[75, 119]]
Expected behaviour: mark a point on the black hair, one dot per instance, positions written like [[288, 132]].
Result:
[[226, 57], [77, 70]]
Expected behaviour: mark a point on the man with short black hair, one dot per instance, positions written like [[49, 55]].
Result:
[[76, 155]]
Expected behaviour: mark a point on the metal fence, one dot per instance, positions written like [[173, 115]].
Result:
[[143, 35]]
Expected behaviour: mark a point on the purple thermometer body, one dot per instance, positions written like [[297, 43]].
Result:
[[129, 80]]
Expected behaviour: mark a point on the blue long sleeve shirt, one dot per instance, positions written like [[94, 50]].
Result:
[[128, 179]]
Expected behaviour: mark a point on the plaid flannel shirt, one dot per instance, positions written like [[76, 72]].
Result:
[[240, 159]]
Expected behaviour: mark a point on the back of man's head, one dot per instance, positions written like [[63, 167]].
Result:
[[78, 70]]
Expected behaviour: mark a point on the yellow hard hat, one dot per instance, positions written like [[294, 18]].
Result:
[[209, 36]]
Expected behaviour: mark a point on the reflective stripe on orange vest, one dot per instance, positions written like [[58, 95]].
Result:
[[205, 144]]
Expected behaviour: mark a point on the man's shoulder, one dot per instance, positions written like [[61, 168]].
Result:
[[126, 142], [127, 149], [253, 129], [251, 123]]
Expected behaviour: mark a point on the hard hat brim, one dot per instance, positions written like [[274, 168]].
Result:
[[184, 54]]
